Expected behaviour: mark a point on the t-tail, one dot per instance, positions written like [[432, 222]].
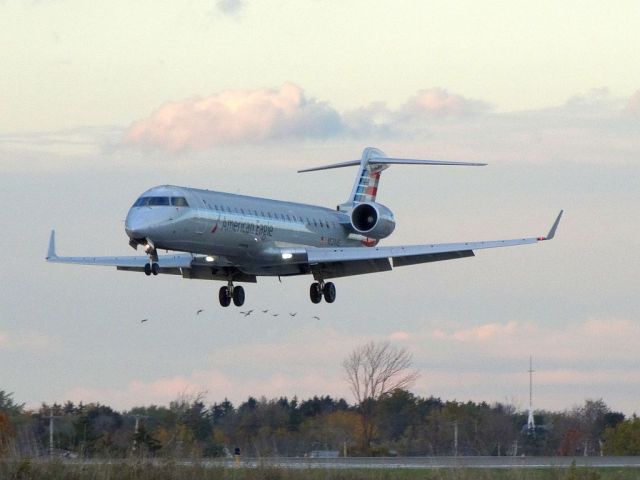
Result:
[[372, 164], [368, 220]]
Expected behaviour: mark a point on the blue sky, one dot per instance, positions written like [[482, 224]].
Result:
[[101, 103]]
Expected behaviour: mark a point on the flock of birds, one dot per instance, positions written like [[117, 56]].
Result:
[[246, 313]]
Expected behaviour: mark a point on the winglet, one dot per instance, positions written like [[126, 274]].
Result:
[[552, 232], [52, 246]]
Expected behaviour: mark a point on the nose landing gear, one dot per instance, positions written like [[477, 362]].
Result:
[[321, 289], [229, 293], [152, 267]]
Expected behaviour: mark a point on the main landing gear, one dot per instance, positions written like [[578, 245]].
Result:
[[228, 293], [321, 289]]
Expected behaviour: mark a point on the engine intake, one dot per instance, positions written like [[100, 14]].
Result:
[[373, 220]]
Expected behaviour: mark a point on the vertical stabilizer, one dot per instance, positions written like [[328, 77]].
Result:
[[365, 187]]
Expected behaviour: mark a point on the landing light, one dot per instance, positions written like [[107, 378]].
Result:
[[287, 256], [209, 259]]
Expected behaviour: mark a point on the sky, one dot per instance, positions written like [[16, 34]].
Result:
[[99, 102]]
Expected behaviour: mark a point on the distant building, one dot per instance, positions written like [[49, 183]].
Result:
[[324, 454]]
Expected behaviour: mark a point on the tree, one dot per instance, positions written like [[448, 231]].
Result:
[[373, 371], [624, 438]]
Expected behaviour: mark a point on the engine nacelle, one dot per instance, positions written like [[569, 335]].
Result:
[[373, 220]]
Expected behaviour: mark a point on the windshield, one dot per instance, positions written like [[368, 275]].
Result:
[[161, 202]]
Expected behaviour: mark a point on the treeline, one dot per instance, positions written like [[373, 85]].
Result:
[[403, 424]]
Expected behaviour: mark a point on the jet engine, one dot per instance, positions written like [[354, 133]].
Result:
[[373, 220]]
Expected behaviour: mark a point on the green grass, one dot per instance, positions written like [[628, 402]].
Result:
[[54, 470]]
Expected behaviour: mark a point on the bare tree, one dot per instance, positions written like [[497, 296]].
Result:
[[373, 371]]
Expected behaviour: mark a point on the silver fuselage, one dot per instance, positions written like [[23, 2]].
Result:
[[247, 232]]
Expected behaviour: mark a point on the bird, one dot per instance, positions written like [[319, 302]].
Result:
[[247, 313], [293, 314], [276, 314], [316, 317], [144, 320], [265, 311], [199, 312]]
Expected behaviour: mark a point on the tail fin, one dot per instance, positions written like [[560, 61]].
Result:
[[372, 163], [365, 188]]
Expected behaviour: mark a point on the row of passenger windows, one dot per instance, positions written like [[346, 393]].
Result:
[[182, 202], [272, 215], [161, 202]]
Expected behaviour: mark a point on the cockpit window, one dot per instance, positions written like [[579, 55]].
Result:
[[153, 202], [158, 201], [179, 202]]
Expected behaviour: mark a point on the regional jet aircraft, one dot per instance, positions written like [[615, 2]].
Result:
[[235, 238]]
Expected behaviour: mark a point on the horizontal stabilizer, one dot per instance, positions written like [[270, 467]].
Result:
[[392, 161]]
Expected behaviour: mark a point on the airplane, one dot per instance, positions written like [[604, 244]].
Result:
[[236, 238]]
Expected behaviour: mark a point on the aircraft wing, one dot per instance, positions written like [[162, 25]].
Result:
[[185, 264], [339, 262], [165, 261]]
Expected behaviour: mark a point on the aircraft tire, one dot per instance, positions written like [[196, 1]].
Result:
[[238, 296], [223, 296], [315, 293], [155, 268], [147, 269], [329, 292]]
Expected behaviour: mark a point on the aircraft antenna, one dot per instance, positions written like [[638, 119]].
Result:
[[531, 425]]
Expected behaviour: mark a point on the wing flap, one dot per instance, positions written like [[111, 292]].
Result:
[[430, 257], [348, 268], [318, 255]]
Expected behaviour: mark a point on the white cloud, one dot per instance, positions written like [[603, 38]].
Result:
[[591, 128], [230, 7], [30, 341], [439, 103], [633, 104], [236, 117]]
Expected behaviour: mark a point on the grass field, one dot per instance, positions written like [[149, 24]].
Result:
[[54, 470]]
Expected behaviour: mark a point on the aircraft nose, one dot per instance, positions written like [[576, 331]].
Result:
[[136, 226]]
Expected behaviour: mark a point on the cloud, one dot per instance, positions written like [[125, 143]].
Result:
[[570, 344], [400, 335], [230, 7], [213, 383], [592, 128], [438, 102], [31, 341], [233, 117], [633, 104]]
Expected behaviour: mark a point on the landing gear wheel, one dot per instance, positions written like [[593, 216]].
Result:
[[238, 296], [155, 268], [329, 292], [224, 297], [147, 269], [315, 292]]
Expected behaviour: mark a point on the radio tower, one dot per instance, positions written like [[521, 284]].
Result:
[[531, 425]]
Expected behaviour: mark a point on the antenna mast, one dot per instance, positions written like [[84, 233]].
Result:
[[531, 425]]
